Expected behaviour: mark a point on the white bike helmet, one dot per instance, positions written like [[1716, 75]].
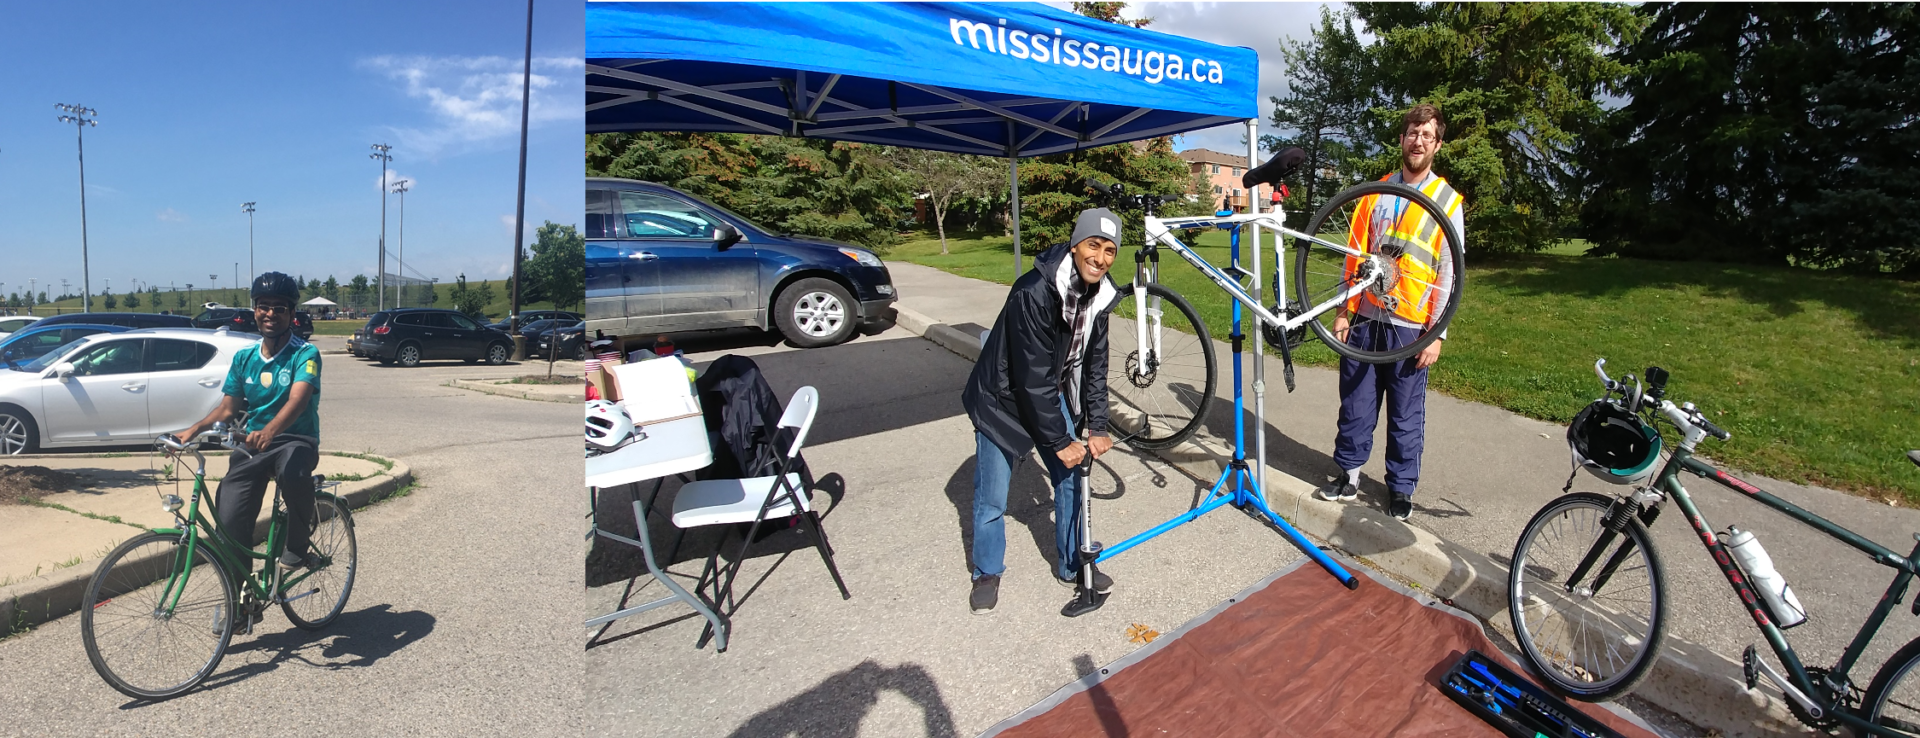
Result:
[[1613, 444], [608, 426]]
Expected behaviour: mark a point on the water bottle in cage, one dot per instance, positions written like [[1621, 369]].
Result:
[[1772, 588]]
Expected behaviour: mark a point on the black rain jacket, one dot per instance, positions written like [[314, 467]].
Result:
[[1013, 395]]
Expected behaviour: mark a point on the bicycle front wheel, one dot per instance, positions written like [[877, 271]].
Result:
[[1597, 636], [1157, 391], [157, 616], [1399, 284], [314, 597]]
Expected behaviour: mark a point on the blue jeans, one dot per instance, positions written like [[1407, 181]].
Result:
[[992, 473]]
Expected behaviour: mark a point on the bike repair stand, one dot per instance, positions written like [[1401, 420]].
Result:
[[1246, 491], [1085, 598]]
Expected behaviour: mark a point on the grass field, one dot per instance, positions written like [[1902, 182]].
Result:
[[1817, 375]]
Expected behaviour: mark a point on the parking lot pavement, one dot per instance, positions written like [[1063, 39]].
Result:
[[893, 451], [458, 619]]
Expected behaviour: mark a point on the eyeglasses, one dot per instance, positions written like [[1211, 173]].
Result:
[[271, 309], [1420, 136]]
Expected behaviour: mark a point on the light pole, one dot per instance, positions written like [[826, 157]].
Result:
[[399, 296], [189, 295], [236, 282], [380, 152], [78, 116], [213, 285], [248, 209]]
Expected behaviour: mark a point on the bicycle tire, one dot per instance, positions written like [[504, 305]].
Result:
[[125, 593], [319, 598], [1896, 686], [1320, 274], [1165, 404], [1576, 520]]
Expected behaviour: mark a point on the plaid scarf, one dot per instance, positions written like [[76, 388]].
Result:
[[1076, 307]]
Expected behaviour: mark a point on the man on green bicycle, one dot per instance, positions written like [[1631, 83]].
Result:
[[280, 384]]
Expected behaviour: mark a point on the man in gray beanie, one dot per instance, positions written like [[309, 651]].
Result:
[[1042, 376]]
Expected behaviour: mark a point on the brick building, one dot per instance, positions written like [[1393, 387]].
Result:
[[1222, 172]]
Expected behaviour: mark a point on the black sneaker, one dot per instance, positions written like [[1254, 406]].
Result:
[[1101, 582], [986, 594], [240, 619], [1401, 507], [1338, 489]]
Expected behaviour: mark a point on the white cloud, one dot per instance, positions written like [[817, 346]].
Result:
[[475, 99], [172, 216]]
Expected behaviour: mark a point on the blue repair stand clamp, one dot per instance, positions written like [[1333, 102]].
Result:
[[1237, 485]]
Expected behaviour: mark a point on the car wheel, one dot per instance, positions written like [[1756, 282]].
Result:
[[408, 355], [497, 354], [815, 312], [580, 351], [17, 434]]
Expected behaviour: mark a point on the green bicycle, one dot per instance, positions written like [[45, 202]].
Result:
[[162, 608], [1588, 594]]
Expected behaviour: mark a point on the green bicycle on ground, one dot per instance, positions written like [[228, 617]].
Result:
[[162, 608], [1588, 595]]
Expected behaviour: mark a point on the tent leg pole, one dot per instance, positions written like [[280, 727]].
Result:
[[1013, 211], [1259, 351]]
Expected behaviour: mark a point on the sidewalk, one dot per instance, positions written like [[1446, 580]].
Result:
[[1484, 473], [53, 547]]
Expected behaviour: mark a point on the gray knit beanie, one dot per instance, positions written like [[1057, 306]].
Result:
[[1095, 222]]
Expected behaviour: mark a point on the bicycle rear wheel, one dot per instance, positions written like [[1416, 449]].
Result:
[[1157, 393], [156, 620], [1591, 642], [1893, 700], [315, 600], [1404, 290]]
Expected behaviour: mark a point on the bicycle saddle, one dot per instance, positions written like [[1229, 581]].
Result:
[[1276, 168]]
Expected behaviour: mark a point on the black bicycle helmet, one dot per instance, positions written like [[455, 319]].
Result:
[[1613, 444], [275, 284]]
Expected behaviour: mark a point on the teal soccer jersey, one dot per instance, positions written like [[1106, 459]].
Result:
[[265, 384]]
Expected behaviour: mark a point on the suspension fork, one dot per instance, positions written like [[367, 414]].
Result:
[[1142, 274], [1615, 523]]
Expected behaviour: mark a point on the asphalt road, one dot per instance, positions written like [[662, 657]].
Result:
[[463, 619]]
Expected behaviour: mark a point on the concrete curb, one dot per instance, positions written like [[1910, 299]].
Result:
[[1690, 680], [485, 385], [29, 603]]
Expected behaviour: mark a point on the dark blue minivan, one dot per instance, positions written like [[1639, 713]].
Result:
[[660, 260]]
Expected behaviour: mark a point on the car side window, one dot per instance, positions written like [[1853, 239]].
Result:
[[112, 357], [461, 322], [652, 216], [173, 355], [414, 319], [603, 221]]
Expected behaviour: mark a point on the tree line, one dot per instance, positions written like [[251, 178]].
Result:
[[1748, 132]]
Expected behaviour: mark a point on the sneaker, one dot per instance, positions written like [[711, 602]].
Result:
[[240, 619], [290, 561], [1101, 582], [1338, 489], [986, 594], [1401, 507]]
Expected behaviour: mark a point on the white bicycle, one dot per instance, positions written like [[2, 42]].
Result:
[[1161, 373]]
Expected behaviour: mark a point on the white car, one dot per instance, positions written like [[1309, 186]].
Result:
[[13, 323], [116, 388]]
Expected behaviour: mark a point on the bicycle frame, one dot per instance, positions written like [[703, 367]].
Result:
[[199, 531]]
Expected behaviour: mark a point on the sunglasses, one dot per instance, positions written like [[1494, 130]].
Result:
[[272, 309]]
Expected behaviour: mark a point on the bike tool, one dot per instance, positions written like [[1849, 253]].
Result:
[[1085, 599]]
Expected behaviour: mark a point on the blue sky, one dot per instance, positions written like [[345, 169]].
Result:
[[203, 106]]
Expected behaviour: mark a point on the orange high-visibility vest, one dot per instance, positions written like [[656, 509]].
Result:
[[1417, 236]]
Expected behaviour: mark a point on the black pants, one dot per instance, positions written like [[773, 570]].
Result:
[[289, 461]]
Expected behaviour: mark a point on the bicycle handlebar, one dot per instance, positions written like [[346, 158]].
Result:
[[1115, 195], [226, 437], [1683, 416]]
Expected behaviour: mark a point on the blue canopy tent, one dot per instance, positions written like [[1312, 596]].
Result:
[[1008, 80]]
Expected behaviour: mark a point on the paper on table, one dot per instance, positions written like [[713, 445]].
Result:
[[656, 391]]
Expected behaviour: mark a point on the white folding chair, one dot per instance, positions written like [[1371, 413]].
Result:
[[758, 499]]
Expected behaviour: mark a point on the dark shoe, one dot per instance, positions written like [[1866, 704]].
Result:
[[1401, 507], [986, 594], [1338, 489], [1102, 583], [290, 561], [241, 621]]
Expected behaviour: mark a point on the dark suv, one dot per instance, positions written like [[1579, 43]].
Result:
[[407, 336], [661, 260], [240, 320]]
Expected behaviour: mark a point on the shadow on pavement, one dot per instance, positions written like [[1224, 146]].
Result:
[[1029, 502], [357, 639], [834, 707]]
